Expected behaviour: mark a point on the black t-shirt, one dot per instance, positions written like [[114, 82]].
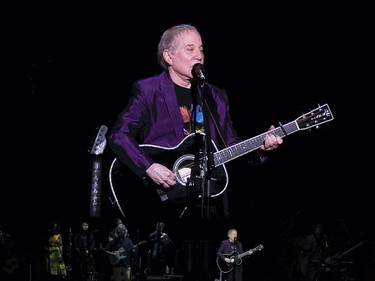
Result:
[[186, 105]]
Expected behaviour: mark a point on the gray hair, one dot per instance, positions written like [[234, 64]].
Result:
[[167, 41], [121, 226]]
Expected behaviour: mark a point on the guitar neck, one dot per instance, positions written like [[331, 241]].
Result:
[[251, 251], [245, 254], [249, 145], [309, 120], [96, 183], [96, 187]]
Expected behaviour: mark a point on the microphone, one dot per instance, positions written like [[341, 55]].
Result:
[[198, 71]]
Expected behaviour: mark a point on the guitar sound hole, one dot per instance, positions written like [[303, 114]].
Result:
[[182, 168]]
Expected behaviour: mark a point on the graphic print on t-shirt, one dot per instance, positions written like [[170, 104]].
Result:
[[185, 103], [186, 119]]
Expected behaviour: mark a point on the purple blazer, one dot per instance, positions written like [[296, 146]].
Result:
[[152, 116]]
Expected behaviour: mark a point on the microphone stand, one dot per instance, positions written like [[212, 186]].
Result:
[[205, 153], [235, 259], [137, 269]]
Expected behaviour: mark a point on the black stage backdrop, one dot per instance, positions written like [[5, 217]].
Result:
[[70, 71]]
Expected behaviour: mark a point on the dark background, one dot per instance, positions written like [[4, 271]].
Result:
[[69, 70]]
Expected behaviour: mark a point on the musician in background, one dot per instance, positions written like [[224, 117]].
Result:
[[231, 269], [159, 251], [121, 253], [84, 246], [54, 258], [113, 233], [11, 268], [313, 262]]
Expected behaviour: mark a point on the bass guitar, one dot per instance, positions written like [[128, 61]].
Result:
[[182, 160], [235, 258]]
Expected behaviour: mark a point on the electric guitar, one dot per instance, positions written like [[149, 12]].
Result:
[[235, 258], [97, 149], [116, 256], [182, 160]]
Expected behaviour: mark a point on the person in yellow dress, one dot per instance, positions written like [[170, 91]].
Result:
[[54, 259]]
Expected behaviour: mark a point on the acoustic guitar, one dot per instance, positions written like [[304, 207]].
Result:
[[182, 161], [235, 258], [116, 256]]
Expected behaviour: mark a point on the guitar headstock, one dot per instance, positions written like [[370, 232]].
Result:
[[315, 118], [140, 243], [258, 248], [100, 141]]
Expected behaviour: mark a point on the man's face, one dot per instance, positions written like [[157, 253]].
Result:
[[121, 231], [232, 235], [318, 231], [188, 51], [85, 226], [160, 226]]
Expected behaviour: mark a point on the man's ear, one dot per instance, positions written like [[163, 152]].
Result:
[[167, 56]]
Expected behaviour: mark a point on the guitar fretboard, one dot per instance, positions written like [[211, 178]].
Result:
[[249, 145], [96, 190]]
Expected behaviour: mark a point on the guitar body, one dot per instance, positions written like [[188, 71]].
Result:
[[10, 265], [115, 256], [182, 161], [227, 267]]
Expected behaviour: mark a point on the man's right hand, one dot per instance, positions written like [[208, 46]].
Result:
[[228, 260], [161, 175]]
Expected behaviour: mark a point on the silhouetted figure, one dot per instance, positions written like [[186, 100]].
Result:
[[84, 246], [12, 263], [313, 264], [113, 233], [159, 259]]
